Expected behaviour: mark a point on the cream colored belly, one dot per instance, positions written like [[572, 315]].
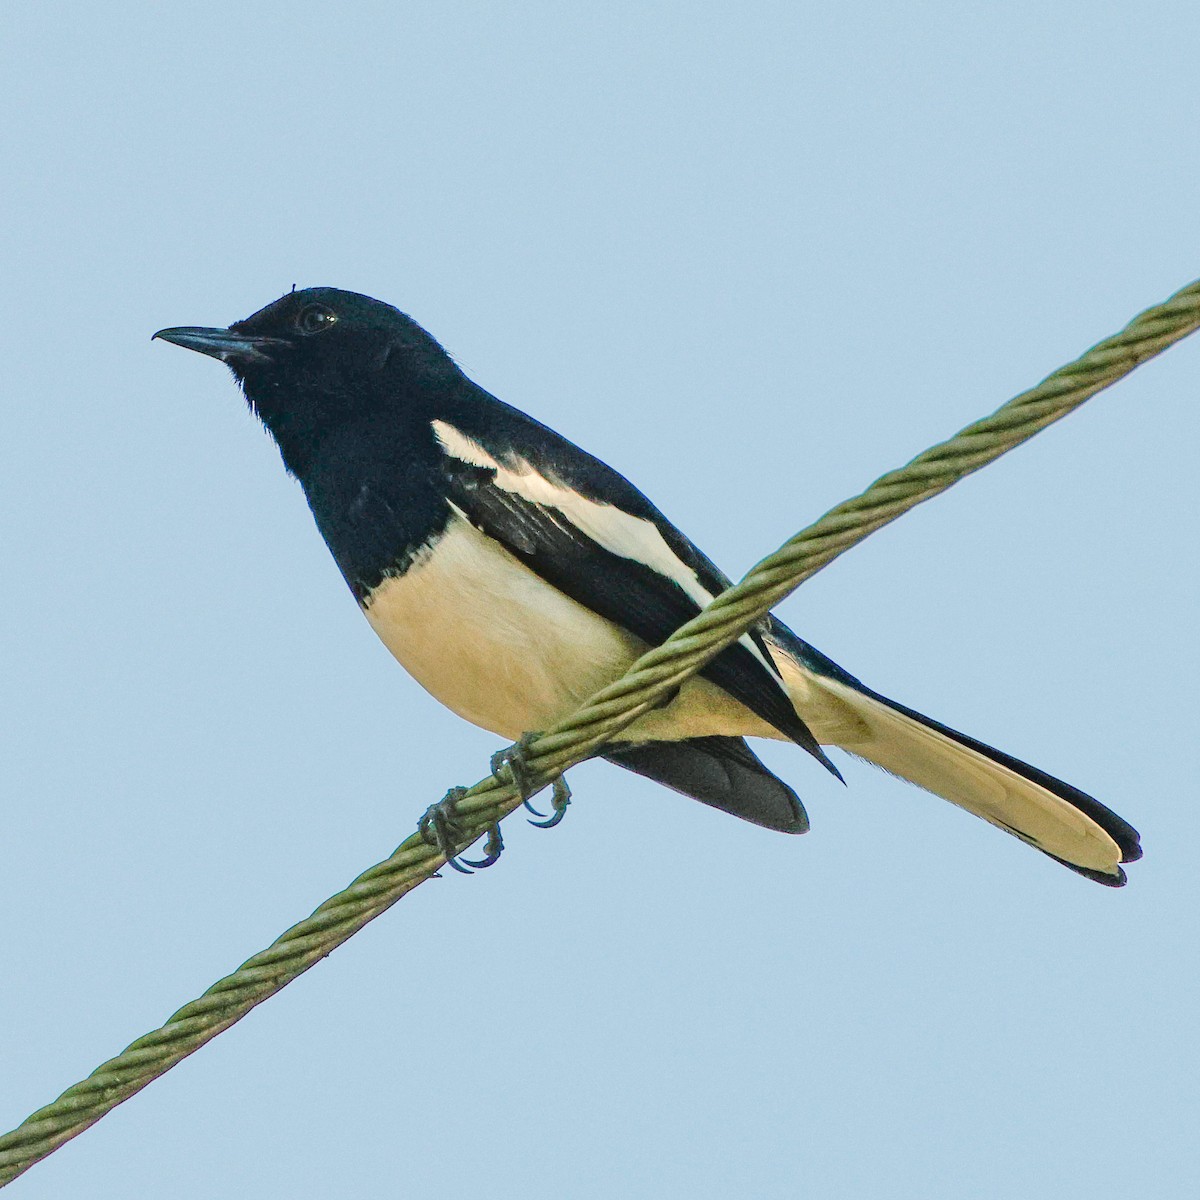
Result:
[[505, 650]]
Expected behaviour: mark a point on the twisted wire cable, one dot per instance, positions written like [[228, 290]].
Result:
[[655, 675]]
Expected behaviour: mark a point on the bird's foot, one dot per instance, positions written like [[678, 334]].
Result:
[[441, 828], [513, 761]]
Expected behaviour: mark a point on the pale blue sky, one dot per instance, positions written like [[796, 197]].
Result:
[[753, 255]]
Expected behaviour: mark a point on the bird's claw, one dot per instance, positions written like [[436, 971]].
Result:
[[492, 849], [512, 761], [562, 797], [441, 828]]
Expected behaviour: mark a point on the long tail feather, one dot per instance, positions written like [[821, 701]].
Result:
[[1043, 811]]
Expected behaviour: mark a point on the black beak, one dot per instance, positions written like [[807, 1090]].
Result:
[[222, 343]]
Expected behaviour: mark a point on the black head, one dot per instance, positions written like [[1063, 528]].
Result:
[[318, 359]]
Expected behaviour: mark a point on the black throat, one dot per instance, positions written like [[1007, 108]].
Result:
[[370, 472]]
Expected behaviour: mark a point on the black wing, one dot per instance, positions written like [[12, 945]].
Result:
[[587, 530], [719, 771]]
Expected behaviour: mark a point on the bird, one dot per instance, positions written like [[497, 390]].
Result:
[[513, 574]]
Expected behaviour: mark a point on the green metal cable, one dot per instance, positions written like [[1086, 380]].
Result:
[[651, 678]]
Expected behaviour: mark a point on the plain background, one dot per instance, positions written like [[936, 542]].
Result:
[[753, 255]]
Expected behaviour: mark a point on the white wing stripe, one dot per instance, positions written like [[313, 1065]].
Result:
[[617, 531]]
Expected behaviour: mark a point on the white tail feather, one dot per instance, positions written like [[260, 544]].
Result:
[[840, 715]]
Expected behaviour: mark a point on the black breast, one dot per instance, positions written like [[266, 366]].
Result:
[[374, 494]]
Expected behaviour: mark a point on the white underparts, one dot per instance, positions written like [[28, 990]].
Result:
[[502, 648]]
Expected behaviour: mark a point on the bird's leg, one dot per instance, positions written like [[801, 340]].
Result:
[[513, 761], [441, 828]]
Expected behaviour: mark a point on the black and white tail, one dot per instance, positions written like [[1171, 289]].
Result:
[[1050, 815]]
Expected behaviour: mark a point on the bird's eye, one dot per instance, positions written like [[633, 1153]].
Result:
[[316, 318]]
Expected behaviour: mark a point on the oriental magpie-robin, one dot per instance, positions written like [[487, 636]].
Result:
[[513, 575]]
